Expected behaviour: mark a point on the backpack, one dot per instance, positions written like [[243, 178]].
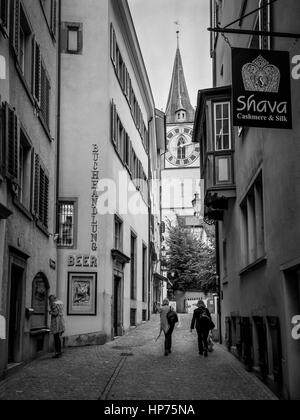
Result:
[[172, 317], [206, 320]]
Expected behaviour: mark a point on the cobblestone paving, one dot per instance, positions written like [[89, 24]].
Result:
[[134, 367]]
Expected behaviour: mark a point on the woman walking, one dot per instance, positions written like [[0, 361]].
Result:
[[203, 322], [57, 323], [165, 325]]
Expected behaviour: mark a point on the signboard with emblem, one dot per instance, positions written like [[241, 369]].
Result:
[[261, 88]]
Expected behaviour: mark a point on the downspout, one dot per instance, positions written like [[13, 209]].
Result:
[[58, 133], [218, 281]]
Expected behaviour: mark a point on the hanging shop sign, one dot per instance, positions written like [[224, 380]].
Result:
[[261, 88]]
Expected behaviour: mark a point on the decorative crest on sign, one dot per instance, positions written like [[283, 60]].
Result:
[[261, 76]]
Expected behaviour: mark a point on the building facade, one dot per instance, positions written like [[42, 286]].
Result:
[[107, 230], [251, 192], [28, 146]]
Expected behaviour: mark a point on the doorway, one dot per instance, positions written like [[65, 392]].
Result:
[[117, 322], [15, 314]]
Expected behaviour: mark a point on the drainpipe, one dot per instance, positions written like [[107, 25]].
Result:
[[58, 133], [218, 280]]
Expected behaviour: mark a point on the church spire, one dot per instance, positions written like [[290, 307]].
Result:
[[179, 99]]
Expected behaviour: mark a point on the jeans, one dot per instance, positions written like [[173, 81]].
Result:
[[202, 340], [57, 343], [168, 338]]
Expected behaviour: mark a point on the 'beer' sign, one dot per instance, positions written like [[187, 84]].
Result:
[[261, 88]]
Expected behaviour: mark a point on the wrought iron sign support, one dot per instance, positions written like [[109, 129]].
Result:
[[251, 32]]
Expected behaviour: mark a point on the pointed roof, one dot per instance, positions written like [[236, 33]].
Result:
[[179, 97]]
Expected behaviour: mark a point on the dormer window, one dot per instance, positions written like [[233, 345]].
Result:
[[181, 115]]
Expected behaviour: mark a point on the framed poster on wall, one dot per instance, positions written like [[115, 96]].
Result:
[[82, 294]]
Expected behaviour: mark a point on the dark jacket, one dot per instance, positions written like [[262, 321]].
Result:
[[200, 321]]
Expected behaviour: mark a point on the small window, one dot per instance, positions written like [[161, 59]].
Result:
[[66, 220], [118, 242], [73, 39], [222, 126]]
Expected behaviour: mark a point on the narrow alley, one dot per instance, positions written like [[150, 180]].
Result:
[[134, 367]]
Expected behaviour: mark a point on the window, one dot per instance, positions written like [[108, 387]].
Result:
[[126, 153], [50, 13], [41, 86], [222, 129], [144, 276], [126, 86], [24, 184], [72, 38], [45, 96], [132, 266], [252, 213], [24, 45], [263, 23], [41, 194], [118, 231], [66, 224], [4, 16]]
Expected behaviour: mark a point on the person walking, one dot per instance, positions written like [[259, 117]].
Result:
[[57, 323], [202, 321], [167, 325]]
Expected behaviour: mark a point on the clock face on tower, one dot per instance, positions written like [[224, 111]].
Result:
[[181, 151]]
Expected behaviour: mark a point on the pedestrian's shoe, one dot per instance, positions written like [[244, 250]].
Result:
[[166, 353], [205, 353], [56, 356], [201, 353], [170, 351]]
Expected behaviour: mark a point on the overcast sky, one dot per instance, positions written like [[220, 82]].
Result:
[[154, 23]]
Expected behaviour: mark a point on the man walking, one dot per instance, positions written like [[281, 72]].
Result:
[[202, 321]]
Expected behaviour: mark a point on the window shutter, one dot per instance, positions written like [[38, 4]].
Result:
[[36, 188], [11, 143], [45, 95], [113, 44], [41, 195], [53, 16], [36, 72], [1, 137], [46, 201], [113, 123], [15, 25], [4, 14]]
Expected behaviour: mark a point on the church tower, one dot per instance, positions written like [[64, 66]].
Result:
[[182, 158]]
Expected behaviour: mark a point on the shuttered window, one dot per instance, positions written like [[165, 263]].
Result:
[[41, 193], [1, 138], [53, 24], [126, 85], [124, 149], [15, 25], [36, 72], [4, 15], [11, 143], [45, 95]]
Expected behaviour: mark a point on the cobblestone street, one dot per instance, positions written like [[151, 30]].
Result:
[[134, 367]]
